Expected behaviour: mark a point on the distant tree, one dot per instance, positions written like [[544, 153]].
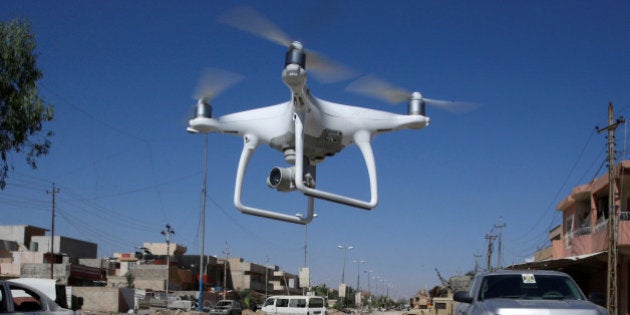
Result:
[[22, 111], [130, 278]]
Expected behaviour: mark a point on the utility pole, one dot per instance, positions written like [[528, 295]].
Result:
[[499, 227], [266, 276], [227, 254], [167, 232], [612, 212], [477, 256], [490, 239], [53, 192]]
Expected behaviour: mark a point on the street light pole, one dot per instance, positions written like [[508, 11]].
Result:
[[358, 262], [343, 270], [167, 232], [202, 267], [299, 215], [345, 251], [369, 273]]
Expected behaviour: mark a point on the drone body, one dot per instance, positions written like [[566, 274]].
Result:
[[306, 130]]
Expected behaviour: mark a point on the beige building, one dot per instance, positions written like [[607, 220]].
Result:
[[24, 252], [149, 271]]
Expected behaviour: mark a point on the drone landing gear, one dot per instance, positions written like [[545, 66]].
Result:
[[251, 142], [249, 146]]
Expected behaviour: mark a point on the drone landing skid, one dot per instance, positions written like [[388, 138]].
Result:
[[362, 139]]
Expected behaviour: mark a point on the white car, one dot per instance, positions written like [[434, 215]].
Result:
[[532, 292], [22, 298], [227, 307]]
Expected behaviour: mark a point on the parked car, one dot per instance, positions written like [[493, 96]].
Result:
[[22, 298], [509, 292], [227, 307]]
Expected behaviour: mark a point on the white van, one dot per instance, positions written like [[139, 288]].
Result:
[[295, 304]]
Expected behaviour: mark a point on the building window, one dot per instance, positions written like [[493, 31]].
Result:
[[568, 225], [602, 208], [584, 214]]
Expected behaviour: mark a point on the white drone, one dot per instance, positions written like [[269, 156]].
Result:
[[305, 129]]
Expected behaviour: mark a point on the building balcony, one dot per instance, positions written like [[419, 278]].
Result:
[[587, 240]]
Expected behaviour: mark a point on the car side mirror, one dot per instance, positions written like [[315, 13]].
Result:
[[597, 298], [462, 297]]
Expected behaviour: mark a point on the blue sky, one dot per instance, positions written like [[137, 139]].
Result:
[[121, 76]]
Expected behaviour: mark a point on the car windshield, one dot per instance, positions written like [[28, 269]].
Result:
[[224, 303], [529, 286]]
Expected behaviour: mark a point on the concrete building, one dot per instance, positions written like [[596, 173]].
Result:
[[25, 253], [149, 272], [245, 275], [579, 246], [161, 248], [21, 235]]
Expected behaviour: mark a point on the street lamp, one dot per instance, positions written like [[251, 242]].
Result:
[[345, 252], [202, 267], [299, 215], [369, 273], [168, 232], [376, 280], [358, 262]]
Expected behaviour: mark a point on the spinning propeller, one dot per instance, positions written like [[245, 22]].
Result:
[[374, 87], [211, 83], [249, 20]]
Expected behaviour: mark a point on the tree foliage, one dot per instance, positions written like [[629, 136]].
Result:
[[22, 111], [130, 278]]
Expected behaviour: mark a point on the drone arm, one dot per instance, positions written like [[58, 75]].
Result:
[[362, 139], [250, 144]]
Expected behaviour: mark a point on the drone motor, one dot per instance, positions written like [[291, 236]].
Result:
[[295, 55], [204, 109], [416, 105]]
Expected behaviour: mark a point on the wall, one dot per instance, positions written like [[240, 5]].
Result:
[[104, 299], [69, 246], [61, 271], [20, 233]]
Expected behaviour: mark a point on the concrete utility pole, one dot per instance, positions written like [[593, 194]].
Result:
[[53, 192], [499, 227], [612, 212]]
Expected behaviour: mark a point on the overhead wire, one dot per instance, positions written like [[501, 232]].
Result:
[[544, 242], [541, 236], [121, 131]]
